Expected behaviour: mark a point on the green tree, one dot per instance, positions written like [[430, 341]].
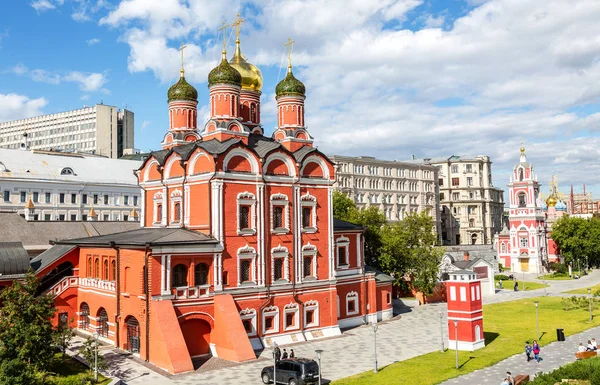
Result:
[[62, 337], [16, 372], [88, 352], [343, 207], [410, 252], [26, 332], [578, 238]]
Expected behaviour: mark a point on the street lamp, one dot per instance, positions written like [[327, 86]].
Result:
[[456, 340], [96, 335], [319, 351], [590, 300], [441, 314], [374, 326], [275, 347], [537, 323]]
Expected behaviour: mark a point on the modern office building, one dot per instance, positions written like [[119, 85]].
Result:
[[100, 129], [397, 188], [471, 207], [51, 186]]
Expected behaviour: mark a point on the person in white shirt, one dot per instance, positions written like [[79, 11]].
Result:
[[581, 347], [590, 347], [594, 344]]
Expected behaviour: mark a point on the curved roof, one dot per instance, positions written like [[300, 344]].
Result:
[[13, 258]]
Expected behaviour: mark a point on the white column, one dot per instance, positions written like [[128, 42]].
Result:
[[297, 250], [260, 230], [217, 274], [186, 209], [168, 273], [163, 283], [330, 230]]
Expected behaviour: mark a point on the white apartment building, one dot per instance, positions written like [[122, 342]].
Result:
[[51, 186], [100, 129], [471, 207], [397, 188]]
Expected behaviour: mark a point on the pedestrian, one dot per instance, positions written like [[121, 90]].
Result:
[[581, 348], [292, 354], [277, 353], [284, 355], [505, 382], [528, 351], [536, 351], [516, 286], [590, 347], [510, 378], [500, 283], [594, 344]]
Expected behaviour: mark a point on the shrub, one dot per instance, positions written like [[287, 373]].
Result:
[[559, 268], [579, 370], [501, 276], [16, 372]]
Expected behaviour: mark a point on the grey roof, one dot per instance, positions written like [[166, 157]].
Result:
[[380, 277], [340, 225], [452, 158], [33, 234], [462, 272], [48, 166], [49, 256], [13, 258], [466, 264], [144, 236]]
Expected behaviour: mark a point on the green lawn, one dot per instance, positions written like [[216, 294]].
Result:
[[69, 372], [555, 277], [507, 326], [523, 285], [584, 290]]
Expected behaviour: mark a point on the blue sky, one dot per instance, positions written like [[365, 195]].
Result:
[[388, 78]]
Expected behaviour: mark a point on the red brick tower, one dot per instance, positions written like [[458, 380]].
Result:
[[465, 317]]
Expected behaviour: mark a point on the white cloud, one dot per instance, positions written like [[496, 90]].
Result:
[[506, 72], [87, 81], [13, 106], [92, 41], [145, 125], [42, 5]]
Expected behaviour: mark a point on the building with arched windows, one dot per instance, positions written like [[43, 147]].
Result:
[[238, 246]]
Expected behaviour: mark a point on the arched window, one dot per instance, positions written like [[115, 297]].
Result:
[[520, 174], [67, 171], [113, 270], [478, 335], [471, 222], [201, 274], [522, 198], [103, 322], [133, 334], [84, 313], [179, 276], [159, 213], [97, 268], [106, 277], [474, 239], [503, 247], [177, 212], [90, 272]]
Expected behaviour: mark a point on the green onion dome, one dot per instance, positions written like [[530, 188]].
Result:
[[290, 86], [182, 90], [224, 74]]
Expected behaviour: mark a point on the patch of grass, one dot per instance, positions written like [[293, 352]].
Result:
[[555, 277], [507, 327], [584, 290], [70, 372], [523, 285]]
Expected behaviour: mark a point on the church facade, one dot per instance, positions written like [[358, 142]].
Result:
[[238, 247]]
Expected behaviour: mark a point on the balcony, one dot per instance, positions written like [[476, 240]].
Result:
[[193, 292], [98, 284]]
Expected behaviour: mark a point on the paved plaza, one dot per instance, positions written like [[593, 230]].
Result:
[[414, 333]]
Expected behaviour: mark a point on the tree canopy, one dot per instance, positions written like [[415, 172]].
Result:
[[578, 238], [406, 249]]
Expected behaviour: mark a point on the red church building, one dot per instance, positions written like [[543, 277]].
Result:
[[238, 247]]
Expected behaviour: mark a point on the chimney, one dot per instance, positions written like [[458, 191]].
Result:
[[466, 255]]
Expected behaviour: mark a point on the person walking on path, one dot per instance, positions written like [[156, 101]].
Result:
[[292, 354], [516, 286], [277, 353], [528, 351], [284, 355], [536, 351]]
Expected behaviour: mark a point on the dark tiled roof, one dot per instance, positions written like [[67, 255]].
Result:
[[143, 236], [465, 264], [13, 258], [262, 145], [49, 256], [340, 225], [380, 277], [303, 152], [15, 228]]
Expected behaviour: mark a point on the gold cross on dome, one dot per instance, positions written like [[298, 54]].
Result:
[[289, 45], [237, 24], [181, 48], [222, 30]]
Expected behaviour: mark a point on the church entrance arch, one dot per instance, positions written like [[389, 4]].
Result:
[[133, 334], [196, 329]]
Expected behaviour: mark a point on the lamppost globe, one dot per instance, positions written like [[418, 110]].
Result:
[[374, 326], [319, 351], [96, 336]]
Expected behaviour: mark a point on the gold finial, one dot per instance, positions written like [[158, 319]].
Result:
[[223, 29], [237, 24], [181, 48], [289, 45], [522, 149]]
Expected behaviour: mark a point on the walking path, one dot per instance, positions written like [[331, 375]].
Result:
[[553, 356], [416, 333]]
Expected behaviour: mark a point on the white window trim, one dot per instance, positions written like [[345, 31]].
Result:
[[176, 197], [280, 200], [247, 199], [280, 252], [352, 296], [342, 242], [309, 250], [246, 252], [453, 292], [291, 308], [308, 200], [314, 306], [158, 199], [271, 311], [463, 293], [249, 314]]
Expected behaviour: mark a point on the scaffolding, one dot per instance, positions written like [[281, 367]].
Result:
[[582, 203]]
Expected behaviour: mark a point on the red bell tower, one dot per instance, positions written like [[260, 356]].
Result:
[[465, 316]]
